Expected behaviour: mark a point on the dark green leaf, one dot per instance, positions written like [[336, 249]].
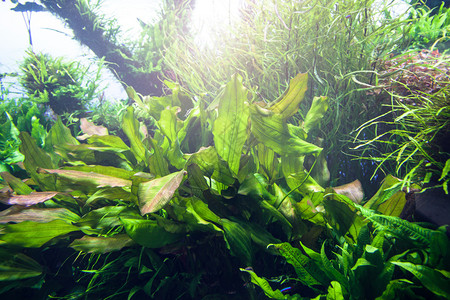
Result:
[[101, 245], [148, 233], [34, 235], [17, 266]]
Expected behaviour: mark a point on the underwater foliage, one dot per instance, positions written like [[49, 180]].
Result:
[[153, 209]]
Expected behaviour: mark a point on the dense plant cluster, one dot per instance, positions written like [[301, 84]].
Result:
[[65, 86], [224, 186], [417, 137]]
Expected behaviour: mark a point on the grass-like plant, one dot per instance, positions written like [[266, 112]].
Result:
[[274, 40], [414, 145]]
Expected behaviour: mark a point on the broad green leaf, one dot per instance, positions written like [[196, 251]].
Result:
[[107, 143], [230, 128], [238, 241], [101, 220], [17, 185], [434, 280], [155, 194], [109, 193], [297, 177], [17, 266], [148, 233], [101, 245], [264, 285], [212, 166], [335, 291], [389, 187], [394, 205], [343, 218], [35, 157], [272, 130], [275, 213], [60, 134], [104, 170], [259, 234], [300, 262], [130, 127], [196, 178], [194, 217], [289, 103], [268, 161], [315, 114], [18, 214], [33, 235], [30, 199], [169, 126], [157, 163]]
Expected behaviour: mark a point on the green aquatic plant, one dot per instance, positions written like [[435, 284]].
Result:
[[66, 87], [368, 267], [191, 185], [272, 41], [428, 27], [413, 140], [18, 115]]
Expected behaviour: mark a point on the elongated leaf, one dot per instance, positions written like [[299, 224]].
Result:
[[389, 187], [18, 214], [100, 221], [434, 280], [109, 193], [332, 273], [299, 261], [148, 233], [155, 194], [394, 205], [108, 142], [212, 166], [101, 245], [89, 178], [343, 218], [131, 128], [194, 217], [17, 266], [289, 103], [17, 185], [297, 177], [35, 157], [230, 128], [445, 170], [157, 163], [238, 241], [104, 170], [272, 130], [31, 199], [60, 134], [318, 108], [34, 235], [264, 285], [335, 291]]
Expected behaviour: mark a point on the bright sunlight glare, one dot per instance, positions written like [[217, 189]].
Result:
[[211, 18]]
